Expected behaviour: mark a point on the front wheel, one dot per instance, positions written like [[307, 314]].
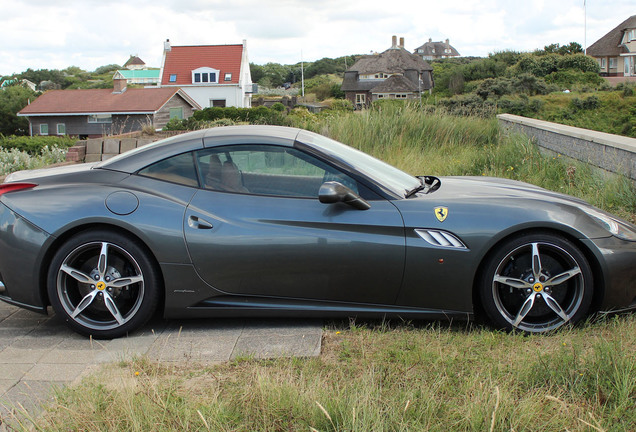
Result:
[[103, 284], [536, 283]]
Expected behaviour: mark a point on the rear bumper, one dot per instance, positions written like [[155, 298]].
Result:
[[21, 245]]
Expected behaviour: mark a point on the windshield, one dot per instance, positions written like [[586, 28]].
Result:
[[388, 176]]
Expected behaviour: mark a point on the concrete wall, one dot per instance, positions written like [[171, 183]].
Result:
[[612, 153], [99, 149]]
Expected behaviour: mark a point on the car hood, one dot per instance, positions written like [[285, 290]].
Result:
[[20, 176], [493, 188]]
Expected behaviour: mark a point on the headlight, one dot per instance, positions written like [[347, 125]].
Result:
[[616, 227]]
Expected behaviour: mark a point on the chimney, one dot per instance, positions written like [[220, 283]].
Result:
[[166, 45], [394, 41], [430, 40], [119, 85], [446, 41], [401, 42]]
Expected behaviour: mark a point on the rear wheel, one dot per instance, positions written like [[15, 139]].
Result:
[[536, 283], [103, 284]]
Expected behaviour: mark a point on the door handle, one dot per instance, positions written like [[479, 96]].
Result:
[[197, 223]]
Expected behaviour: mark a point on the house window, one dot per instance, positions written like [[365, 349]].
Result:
[[177, 113], [603, 63], [219, 103], [61, 129], [612, 63], [361, 99], [205, 75], [632, 34], [100, 118], [44, 129], [420, 51], [173, 77], [228, 77]]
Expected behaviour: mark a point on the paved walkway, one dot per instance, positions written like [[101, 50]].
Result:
[[38, 352]]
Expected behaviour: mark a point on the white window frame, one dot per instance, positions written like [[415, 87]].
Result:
[[44, 129], [613, 63], [100, 118], [206, 76], [61, 129], [228, 76]]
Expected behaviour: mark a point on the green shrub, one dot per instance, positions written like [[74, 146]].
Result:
[[35, 144], [278, 107]]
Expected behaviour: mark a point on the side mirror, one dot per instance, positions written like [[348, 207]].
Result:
[[334, 192]]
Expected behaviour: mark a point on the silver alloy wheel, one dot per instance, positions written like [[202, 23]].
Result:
[[538, 287], [100, 285]]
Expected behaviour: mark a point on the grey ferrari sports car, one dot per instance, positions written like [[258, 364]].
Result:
[[274, 221]]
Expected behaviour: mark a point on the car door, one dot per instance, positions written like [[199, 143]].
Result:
[[258, 229]]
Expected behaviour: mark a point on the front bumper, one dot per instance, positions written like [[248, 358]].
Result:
[[617, 261]]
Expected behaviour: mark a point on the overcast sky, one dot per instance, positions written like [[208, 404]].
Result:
[[52, 34]]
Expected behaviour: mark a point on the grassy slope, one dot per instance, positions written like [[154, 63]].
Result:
[[615, 114]]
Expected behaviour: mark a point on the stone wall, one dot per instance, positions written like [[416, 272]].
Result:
[[100, 149], [612, 153]]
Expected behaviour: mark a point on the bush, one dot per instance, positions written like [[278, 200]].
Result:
[[278, 107], [589, 103], [34, 145]]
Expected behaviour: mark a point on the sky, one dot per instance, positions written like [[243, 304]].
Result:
[[53, 34]]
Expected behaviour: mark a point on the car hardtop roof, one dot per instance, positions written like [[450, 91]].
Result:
[[141, 157]]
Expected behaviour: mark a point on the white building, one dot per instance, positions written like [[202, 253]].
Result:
[[212, 75]]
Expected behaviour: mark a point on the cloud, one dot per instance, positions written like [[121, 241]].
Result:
[[92, 33]]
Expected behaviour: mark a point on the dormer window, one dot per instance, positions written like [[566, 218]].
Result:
[[205, 75], [228, 77]]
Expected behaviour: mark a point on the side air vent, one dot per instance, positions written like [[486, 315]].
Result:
[[441, 238]]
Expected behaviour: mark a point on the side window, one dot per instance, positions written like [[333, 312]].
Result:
[[176, 169], [266, 170]]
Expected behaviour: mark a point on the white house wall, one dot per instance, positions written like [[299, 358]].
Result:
[[232, 95]]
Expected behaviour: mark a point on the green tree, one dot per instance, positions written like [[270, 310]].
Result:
[[12, 100]]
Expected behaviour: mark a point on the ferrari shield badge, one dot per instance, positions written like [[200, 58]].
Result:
[[441, 213]]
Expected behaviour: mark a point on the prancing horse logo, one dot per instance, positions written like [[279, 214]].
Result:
[[441, 213]]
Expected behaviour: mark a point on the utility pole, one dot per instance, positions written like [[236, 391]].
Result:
[[302, 74], [585, 27]]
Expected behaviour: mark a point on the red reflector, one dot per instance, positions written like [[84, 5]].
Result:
[[12, 187]]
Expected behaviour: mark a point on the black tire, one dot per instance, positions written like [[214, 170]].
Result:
[[103, 284], [536, 283]]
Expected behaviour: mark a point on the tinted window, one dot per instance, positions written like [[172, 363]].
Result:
[[177, 169], [266, 170]]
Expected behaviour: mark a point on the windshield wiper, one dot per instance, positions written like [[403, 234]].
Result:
[[429, 183], [416, 189]]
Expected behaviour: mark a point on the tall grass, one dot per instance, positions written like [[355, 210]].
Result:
[[379, 378], [421, 140]]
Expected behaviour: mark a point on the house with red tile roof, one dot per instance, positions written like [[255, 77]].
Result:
[[212, 75], [89, 113]]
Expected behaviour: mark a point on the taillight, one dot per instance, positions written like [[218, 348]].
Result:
[[12, 187]]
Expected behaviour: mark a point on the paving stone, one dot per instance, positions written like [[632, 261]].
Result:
[[277, 346], [28, 396], [283, 327], [197, 349], [54, 372], [66, 356], [21, 355], [15, 371]]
